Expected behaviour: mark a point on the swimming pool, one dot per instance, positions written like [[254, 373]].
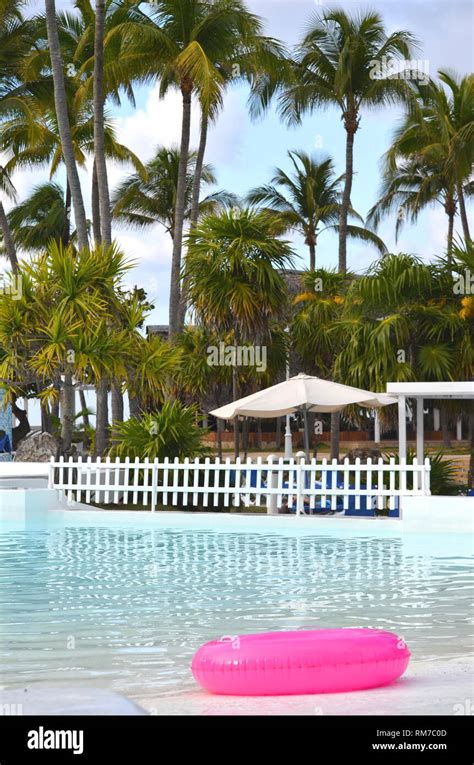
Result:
[[126, 606]]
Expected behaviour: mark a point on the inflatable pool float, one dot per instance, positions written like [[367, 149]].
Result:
[[302, 661]]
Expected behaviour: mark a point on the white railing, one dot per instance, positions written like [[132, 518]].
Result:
[[301, 486]]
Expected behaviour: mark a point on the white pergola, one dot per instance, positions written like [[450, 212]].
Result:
[[421, 391]]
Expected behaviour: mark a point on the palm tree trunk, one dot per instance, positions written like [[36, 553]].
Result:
[[196, 191], [198, 169], [117, 407], [463, 214], [450, 234], [101, 418], [99, 142], [67, 412], [67, 216], [312, 256], [335, 434], [175, 290], [8, 242], [219, 425], [245, 437], [95, 203], [85, 415], [60, 102], [235, 395], [351, 127]]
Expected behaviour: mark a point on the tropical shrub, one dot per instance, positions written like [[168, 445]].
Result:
[[170, 432]]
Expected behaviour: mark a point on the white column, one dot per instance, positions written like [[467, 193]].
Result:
[[420, 432], [377, 427], [402, 428], [436, 419], [459, 429]]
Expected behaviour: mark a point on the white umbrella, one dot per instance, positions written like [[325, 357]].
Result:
[[302, 393]]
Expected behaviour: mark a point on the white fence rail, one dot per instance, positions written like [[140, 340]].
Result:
[[303, 487]]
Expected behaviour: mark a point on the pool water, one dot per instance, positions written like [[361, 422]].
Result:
[[126, 608]]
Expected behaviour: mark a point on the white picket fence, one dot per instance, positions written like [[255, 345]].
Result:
[[302, 486]]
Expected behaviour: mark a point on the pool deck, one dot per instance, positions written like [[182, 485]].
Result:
[[441, 687]]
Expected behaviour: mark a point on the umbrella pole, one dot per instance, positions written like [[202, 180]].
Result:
[[306, 433]]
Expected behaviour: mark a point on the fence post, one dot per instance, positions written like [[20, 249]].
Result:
[[427, 474], [272, 483], [154, 481], [51, 473], [299, 487]]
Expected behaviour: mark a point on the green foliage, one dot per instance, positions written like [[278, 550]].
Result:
[[442, 474], [170, 432]]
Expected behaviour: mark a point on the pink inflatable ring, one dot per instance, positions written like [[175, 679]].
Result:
[[303, 661]]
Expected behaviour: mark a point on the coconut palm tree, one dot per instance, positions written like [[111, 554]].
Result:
[[144, 199], [308, 199], [342, 62], [232, 276], [64, 125], [39, 218], [431, 157], [30, 136], [100, 162]]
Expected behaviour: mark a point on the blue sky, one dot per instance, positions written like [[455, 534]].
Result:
[[244, 153]]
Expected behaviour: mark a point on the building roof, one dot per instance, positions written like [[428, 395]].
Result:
[[454, 390]]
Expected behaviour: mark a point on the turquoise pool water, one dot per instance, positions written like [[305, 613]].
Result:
[[126, 607]]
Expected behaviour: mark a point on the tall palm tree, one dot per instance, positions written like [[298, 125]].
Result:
[[337, 64], [232, 275], [64, 126], [100, 163], [308, 199], [144, 199], [431, 157]]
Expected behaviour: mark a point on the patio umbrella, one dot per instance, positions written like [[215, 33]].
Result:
[[303, 393]]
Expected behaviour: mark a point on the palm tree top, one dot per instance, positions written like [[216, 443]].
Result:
[[337, 63]]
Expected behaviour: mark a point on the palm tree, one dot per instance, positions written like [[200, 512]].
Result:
[[337, 64], [403, 322], [15, 39], [309, 198], [144, 199], [430, 160], [29, 133], [233, 282], [64, 127], [100, 162], [39, 218]]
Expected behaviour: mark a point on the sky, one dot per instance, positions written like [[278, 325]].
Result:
[[244, 153]]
